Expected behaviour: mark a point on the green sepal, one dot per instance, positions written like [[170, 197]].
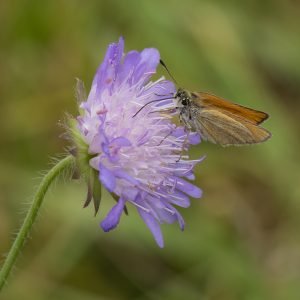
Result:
[[89, 195], [96, 191], [80, 149]]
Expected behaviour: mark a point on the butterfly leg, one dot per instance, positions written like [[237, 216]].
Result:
[[185, 142], [168, 110], [165, 137], [187, 129]]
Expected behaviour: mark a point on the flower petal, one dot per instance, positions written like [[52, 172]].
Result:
[[111, 149], [120, 142], [124, 175], [149, 59], [179, 198], [153, 226], [113, 217], [188, 188], [106, 73], [190, 176], [130, 193], [127, 68], [160, 211], [107, 178], [179, 219], [194, 138]]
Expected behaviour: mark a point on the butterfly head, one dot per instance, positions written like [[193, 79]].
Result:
[[182, 98]]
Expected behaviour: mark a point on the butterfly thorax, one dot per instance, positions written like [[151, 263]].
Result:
[[184, 104]]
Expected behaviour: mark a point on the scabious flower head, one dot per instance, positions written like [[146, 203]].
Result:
[[138, 157]]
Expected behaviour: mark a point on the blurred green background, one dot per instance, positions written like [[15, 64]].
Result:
[[242, 238]]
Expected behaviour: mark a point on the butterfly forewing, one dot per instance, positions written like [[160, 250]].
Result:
[[229, 108], [225, 123]]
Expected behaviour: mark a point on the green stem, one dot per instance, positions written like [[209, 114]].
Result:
[[31, 216]]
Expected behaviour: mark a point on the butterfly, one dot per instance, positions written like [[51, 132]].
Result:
[[220, 121], [217, 120]]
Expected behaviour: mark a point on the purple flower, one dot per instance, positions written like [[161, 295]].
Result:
[[138, 156]]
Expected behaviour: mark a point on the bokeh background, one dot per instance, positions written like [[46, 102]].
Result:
[[242, 238]]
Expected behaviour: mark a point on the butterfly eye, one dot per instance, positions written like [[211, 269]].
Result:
[[184, 102]]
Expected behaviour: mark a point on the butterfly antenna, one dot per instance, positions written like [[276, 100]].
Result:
[[164, 65], [156, 100]]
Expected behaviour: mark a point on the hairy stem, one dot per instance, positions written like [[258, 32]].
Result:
[[22, 235]]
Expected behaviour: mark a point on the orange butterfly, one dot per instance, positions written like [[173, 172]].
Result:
[[220, 121]]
